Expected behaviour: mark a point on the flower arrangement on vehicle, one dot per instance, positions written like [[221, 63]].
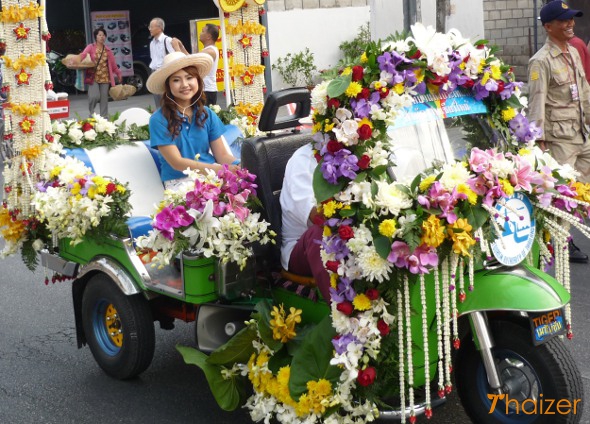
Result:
[[383, 237], [211, 216]]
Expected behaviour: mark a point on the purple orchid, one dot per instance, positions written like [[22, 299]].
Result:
[[339, 164], [341, 343]]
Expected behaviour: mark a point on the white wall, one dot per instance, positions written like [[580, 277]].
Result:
[[322, 30]]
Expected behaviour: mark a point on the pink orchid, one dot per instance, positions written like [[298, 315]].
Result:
[[236, 205], [399, 254], [524, 175], [422, 258], [170, 218]]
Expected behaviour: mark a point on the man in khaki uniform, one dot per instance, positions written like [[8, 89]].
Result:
[[559, 94]]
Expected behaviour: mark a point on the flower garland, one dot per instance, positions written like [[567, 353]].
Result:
[[89, 133], [383, 239]]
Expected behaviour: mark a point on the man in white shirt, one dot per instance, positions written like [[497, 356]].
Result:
[[301, 223], [209, 36], [160, 46]]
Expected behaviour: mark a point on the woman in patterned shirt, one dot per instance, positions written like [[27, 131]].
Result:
[[102, 76]]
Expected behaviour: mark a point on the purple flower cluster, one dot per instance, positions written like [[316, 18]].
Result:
[[342, 163], [523, 130]]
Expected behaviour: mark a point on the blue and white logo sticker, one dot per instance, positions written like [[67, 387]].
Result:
[[515, 219]]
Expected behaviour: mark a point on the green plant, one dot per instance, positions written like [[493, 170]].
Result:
[[297, 69], [351, 51]]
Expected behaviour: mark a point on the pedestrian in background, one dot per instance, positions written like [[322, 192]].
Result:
[[209, 36], [100, 78], [160, 46], [559, 94], [582, 49]]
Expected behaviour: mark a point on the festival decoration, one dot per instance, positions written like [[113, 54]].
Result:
[[384, 239]]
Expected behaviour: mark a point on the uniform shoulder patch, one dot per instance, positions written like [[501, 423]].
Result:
[[534, 75]]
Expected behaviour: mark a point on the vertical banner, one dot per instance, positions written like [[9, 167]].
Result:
[[117, 26], [197, 25]]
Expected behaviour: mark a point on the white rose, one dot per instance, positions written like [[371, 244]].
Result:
[[90, 135], [76, 134]]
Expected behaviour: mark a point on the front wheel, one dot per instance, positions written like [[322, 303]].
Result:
[[542, 384], [119, 329]]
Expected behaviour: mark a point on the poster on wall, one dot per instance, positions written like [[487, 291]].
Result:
[[117, 26], [196, 45]]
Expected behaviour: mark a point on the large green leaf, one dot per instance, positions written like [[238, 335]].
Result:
[[227, 393], [238, 349], [322, 189], [476, 215], [382, 245], [312, 360], [338, 85]]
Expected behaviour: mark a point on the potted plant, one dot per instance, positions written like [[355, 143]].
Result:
[[297, 69]]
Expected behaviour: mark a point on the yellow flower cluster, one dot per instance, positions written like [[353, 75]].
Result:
[[258, 375], [387, 227], [33, 151], [468, 191], [506, 186], [27, 109], [240, 69], [361, 302], [249, 27], [12, 230], [245, 109], [433, 232], [17, 14], [427, 182], [283, 329], [353, 89], [460, 234], [32, 61], [582, 190], [330, 208], [317, 398], [508, 114]]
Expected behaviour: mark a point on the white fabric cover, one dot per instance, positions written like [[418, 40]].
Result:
[[134, 115]]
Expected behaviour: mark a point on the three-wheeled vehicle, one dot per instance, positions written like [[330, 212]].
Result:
[[506, 349]]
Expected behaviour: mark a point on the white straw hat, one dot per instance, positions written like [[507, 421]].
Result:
[[174, 62]]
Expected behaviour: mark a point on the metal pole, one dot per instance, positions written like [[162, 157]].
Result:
[[535, 30], [87, 23]]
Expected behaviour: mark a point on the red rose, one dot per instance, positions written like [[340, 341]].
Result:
[[364, 132], [364, 94], [111, 187], [366, 376], [82, 182], [87, 127], [468, 84], [438, 80], [500, 86], [364, 161], [318, 157], [384, 92], [333, 103], [383, 327], [345, 307], [416, 55], [332, 266], [333, 146], [357, 73], [345, 232], [372, 294], [49, 138]]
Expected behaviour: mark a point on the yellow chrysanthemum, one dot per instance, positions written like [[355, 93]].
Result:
[[353, 89], [506, 186], [433, 232], [361, 302], [485, 78], [333, 280], [328, 126], [377, 85], [91, 192], [364, 58], [317, 126], [508, 114], [304, 406], [76, 188], [366, 121], [121, 189], [55, 172], [427, 182], [482, 64], [329, 208], [524, 151], [347, 71], [496, 72], [387, 227], [399, 88], [466, 190], [419, 75], [327, 231], [462, 239]]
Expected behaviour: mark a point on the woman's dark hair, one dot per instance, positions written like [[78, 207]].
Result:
[[97, 30], [169, 107]]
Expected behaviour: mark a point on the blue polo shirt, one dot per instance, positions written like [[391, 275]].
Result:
[[191, 141]]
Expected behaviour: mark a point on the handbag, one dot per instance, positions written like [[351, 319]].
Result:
[[89, 77]]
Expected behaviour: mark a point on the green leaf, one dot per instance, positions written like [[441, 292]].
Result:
[[228, 392], [416, 183], [378, 171], [382, 245], [322, 189], [238, 349], [477, 216], [312, 360], [338, 85]]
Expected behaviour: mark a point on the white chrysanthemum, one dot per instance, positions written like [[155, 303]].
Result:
[[567, 172], [76, 134], [318, 97], [502, 167], [90, 135], [390, 199], [453, 175], [374, 267], [362, 238]]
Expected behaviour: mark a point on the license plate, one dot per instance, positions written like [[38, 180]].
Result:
[[546, 325]]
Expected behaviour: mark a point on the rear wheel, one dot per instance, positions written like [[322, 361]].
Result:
[[138, 79], [531, 376], [119, 329]]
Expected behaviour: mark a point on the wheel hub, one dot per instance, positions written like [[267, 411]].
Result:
[[519, 381], [113, 325]]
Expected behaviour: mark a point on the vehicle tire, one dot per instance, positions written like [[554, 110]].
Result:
[[119, 329], [548, 370], [66, 78], [138, 79]]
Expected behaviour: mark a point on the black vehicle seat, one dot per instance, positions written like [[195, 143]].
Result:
[[267, 157]]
